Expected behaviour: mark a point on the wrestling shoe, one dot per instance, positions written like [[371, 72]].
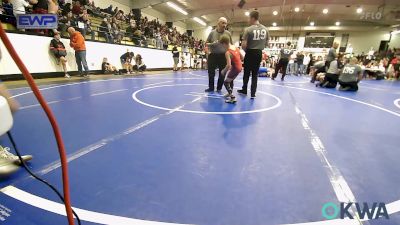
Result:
[[243, 92], [231, 100], [7, 155], [7, 167], [209, 90], [344, 88]]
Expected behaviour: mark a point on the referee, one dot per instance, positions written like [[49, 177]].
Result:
[[217, 59], [255, 39], [283, 61]]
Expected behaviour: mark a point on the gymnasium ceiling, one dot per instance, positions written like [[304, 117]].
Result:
[[343, 11]]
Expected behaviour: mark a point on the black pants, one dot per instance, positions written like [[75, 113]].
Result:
[[330, 80], [252, 62], [281, 65], [352, 85], [216, 61]]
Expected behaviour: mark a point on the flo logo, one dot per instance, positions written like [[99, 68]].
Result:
[[364, 210]]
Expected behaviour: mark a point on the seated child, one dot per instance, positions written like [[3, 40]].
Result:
[[233, 66], [106, 67], [140, 66]]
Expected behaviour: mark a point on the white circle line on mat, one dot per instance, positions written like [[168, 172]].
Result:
[[135, 97]]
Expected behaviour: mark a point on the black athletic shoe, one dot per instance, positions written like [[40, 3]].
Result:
[[282, 79], [272, 78], [253, 96], [209, 90], [242, 92]]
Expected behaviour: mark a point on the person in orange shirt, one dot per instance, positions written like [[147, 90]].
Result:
[[77, 42]]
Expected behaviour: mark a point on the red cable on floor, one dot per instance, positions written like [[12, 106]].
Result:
[[53, 122]]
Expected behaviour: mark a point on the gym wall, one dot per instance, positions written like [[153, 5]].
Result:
[[35, 53]]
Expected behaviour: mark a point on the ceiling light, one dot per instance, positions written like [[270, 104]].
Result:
[[337, 23], [198, 20], [325, 11], [274, 24], [177, 8], [247, 13], [312, 23], [359, 10], [275, 13], [204, 17], [297, 9]]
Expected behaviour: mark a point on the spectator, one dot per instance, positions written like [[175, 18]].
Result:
[[67, 20], [106, 67], [175, 56], [292, 68], [137, 37], [41, 7], [183, 61], [140, 66], [105, 31], [66, 8], [58, 50], [77, 8], [109, 10], [19, 6], [6, 13], [165, 41], [126, 61], [300, 63], [394, 68], [84, 26], [115, 12], [117, 34], [350, 76], [53, 6], [131, 29], [77, 42], [310, 62], [7, 7]]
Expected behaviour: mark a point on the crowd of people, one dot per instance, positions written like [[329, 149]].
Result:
[[115, 26]]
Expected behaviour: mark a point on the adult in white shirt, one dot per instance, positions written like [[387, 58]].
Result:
[[19, 6], [292, 64], [306, 60]]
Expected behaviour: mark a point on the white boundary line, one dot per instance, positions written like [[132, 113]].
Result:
[[338, 96], [397, 103], [102, 218], [339, 184]]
